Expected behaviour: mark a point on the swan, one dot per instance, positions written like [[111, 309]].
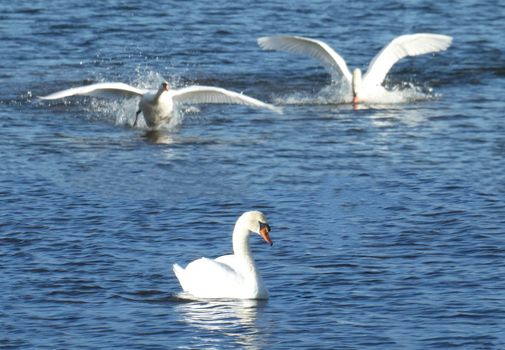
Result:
[[157, 105], [229, 276], [362, 86]]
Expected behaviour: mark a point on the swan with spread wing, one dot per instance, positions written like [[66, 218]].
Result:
[[362, 86], [157, 105]]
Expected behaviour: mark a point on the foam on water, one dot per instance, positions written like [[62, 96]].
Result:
[[404, 92]]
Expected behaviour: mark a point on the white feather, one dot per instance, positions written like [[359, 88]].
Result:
[[98, 90], [209, 94], [312, 48], [403, 46]]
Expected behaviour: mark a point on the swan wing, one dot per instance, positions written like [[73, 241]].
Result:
[[309, 47], [229, 260], [98, 90], [209, 94], [207, 278], [400, 47]]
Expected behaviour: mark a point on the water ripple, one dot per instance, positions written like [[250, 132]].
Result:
[[387, 220]]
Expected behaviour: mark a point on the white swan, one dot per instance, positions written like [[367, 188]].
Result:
[[157, 105], [229, 276], [361, 88]]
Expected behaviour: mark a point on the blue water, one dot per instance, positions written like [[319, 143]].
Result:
[[388, 222]]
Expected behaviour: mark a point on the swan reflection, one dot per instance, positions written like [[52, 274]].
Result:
[[158, 137], [235, 319]]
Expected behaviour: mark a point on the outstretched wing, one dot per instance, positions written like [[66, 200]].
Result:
[[312, 48], [403, 46], [209, 94], [98, 90]]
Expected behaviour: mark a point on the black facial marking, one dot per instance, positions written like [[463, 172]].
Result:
[[263, 225]]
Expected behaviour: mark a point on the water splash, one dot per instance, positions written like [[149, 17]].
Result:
[[122, 111], [405, 92]]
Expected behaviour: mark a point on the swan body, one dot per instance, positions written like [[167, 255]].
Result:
[[157, 105], [362, 87], [229, 276]]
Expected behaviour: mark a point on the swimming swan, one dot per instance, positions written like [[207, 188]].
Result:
[[229, 276]]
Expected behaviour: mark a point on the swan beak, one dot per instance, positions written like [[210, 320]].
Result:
[[264, 233], [355, 100]]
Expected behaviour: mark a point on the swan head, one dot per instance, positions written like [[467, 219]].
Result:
[[265, 232], [165, 86], [256, 221], [356, 85]]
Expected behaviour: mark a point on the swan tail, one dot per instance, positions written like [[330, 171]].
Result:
[[179, 273]]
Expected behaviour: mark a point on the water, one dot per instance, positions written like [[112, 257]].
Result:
[[388, 222]]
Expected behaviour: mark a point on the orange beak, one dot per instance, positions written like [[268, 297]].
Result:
[[264, 232], [355, 100]]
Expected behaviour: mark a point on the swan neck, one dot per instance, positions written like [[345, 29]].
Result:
[[356, 81], [241, 242], [158, 94], [246, 265]]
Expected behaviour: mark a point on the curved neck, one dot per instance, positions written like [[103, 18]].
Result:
[[241, 241], [245, 262]]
